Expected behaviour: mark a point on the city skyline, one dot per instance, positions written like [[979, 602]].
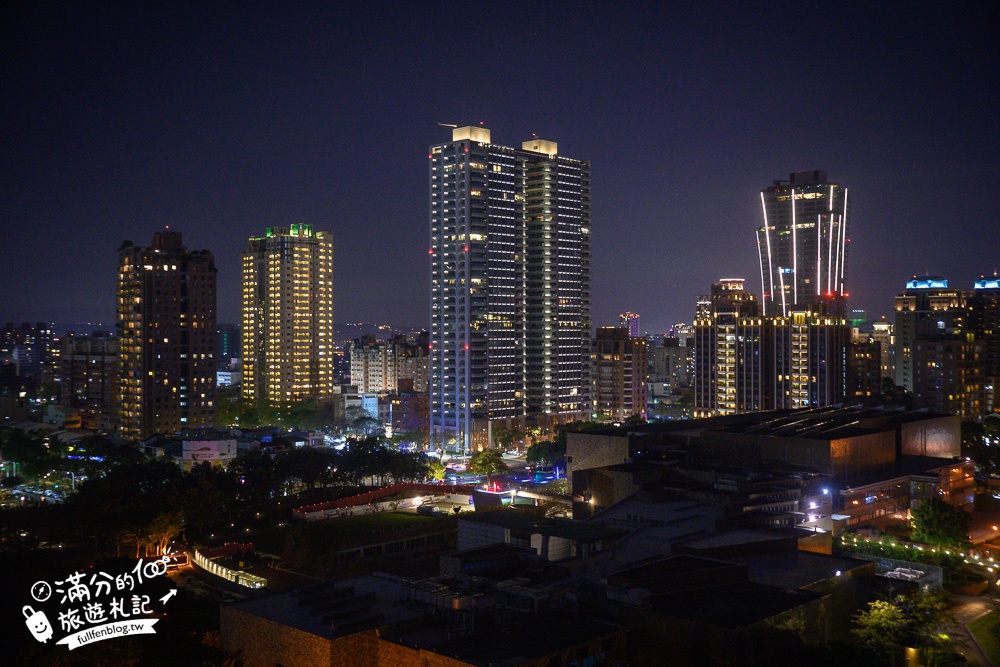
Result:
[[120, 123]]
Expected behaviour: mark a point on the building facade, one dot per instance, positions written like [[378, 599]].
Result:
[[619, 374], [287, 329], [948, 374], [88, 379], [227, 346], [727, 351], [802, 244], [166, 337], [510, 285], [373, 365], [630, 321], [805, 359], [984, 322], [379, 366], [927, 307], [27, 347], [884, 333], [746, 362]]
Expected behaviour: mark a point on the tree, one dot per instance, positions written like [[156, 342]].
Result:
[[936, 522], [163, 528], [882, 628], [487, 462], [436, 469], [306, 464], [545, 452], [920, 621], [634, 420], [504, 438]]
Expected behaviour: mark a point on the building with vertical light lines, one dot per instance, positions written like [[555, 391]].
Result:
[[510, 287], [802, 244], [287, 328]]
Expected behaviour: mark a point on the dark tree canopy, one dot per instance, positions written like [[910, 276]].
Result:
[[937, 522]]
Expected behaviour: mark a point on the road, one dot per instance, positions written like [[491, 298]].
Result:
[[984, 526], [965, 609]]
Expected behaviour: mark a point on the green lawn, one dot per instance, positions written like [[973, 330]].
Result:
[[983, 629]]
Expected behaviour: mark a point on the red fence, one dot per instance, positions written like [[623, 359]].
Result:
[[379, 494]]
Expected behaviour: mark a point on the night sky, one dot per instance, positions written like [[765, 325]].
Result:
[[119, 119]]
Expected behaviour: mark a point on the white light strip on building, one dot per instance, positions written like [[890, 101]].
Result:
[[760, 256], [829, 252], [781, 277], [770, 267], [795, 255], [843, 245], [819, 261], [836, 261]]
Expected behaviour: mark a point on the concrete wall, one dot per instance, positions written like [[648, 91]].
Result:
[[265, 642], [859, 457], [559, 547], [940, 436], [472, 534], [588, 450]]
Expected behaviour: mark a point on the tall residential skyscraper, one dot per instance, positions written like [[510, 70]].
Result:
[[166, 337], [802, 244], [287, 330], [746, 362], [727, 351], [984, 322], [927, 307], [510, 285], [805, 356]]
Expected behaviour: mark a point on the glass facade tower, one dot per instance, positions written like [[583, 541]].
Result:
[[510, 285], [802, 244]]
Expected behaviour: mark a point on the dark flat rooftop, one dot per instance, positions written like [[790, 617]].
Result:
[[580, 531], [735, 606], [669, 565], [284, 608], [734, 537], [490, 550], [511, 643], [795, 569]]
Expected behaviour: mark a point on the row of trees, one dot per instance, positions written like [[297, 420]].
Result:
[[129, 502]]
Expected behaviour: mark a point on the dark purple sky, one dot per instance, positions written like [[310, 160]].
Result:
[[119, 119]]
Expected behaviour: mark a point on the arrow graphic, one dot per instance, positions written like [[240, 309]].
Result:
[[173, 592]]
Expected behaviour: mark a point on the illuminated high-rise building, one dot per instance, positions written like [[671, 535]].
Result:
[[802, 244], [28, 346], [166, 337], [805, 357], [728, 342], [619, 374], [510, 285], [287, 328], [746, 362], [984, 322], [926, 308], [630, 321]]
